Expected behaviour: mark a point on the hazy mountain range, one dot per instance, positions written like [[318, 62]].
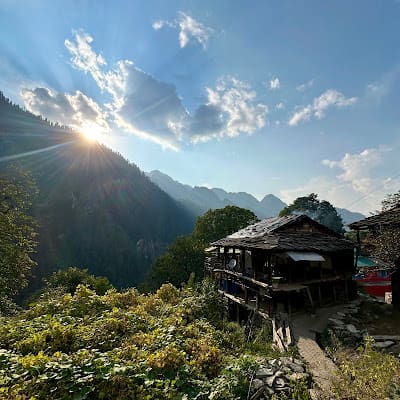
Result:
[[199, 199]]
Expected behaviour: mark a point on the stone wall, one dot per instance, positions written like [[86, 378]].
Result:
[[278, 376]]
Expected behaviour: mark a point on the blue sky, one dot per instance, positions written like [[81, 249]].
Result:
[[283, 97]]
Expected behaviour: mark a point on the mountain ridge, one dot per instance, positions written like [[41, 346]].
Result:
[[269, 206]]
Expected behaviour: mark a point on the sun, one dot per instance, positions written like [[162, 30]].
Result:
[[92, 132]]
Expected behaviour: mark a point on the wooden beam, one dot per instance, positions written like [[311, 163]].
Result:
[[244, 277], [310, 298], [243, 304]]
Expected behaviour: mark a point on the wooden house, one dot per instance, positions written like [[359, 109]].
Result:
[[282, 265], [385, 220]]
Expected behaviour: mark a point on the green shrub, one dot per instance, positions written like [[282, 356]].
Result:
[[125, 345], [369, 375]]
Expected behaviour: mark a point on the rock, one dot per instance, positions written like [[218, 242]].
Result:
[[280, 384], [395, 349], [257, 394], [270, 380], [352, 329], [264, 372], [297, 376], [257, 384], [286, 369], [336, 321], [286, 360], [275, 362], [269, 391], [340, 315], [275, 375], [279, 374], [383, 345], [296, 367], [395, 338]]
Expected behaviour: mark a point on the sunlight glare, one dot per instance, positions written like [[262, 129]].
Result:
[[92, 132]]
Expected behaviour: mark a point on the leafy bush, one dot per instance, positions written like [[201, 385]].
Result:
[[173, 344], [70, 278], [369, 375]]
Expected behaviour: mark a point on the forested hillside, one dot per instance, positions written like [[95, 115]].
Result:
[[95, 209]]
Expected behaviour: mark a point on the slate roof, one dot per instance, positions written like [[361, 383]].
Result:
[[272, 234], [385, 218]]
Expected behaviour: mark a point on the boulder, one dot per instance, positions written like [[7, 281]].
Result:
[[335, 321], [280, 384], [257, 384], [383, 345], [297, 376], [296, 367], [265, 372], [352, 329]]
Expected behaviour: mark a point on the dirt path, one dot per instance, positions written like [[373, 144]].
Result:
[[304, 328]]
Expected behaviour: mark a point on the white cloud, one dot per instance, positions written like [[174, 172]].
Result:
[[319, 106], [152, 109], [306, 85], [280, 106], [236, 101], [157, 25], [83, 56], [382, 87], [274, 84], [76, 110], [364, 179], [190, 30], [356, 168]]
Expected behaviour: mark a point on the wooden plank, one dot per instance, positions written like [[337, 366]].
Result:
[[288, 333], [279, 333], [275, 337], [244, 277]]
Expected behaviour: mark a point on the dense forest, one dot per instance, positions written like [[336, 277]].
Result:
[[94, 209]]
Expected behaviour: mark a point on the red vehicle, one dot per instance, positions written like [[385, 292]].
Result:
[[376, 282], [375, 279]]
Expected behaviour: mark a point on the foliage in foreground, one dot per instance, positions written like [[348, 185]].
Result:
[[70, 278], [369, 375], [17, 233], [173, 344]]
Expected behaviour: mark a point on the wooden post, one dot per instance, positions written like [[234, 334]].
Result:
[[269, 268], [311, 299], [358, 250], [288, 333], [320, 295], [320, 269]]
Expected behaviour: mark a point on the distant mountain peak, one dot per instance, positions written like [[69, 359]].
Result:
[[200, 198]]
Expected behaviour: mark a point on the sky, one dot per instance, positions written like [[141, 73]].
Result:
[[282, 96]]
